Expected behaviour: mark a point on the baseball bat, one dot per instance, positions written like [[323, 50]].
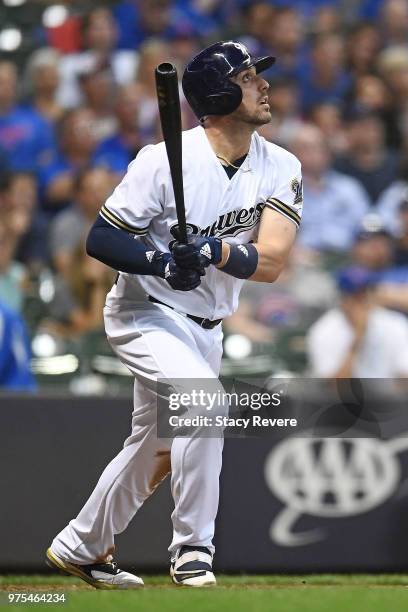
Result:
[[170, 119]]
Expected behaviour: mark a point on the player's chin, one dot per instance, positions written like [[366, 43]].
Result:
[[262, 117]]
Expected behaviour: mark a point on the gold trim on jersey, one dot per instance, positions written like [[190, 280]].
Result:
[[284, 209], [111, 218]]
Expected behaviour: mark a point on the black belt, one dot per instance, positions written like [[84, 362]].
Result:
[[204, 323]]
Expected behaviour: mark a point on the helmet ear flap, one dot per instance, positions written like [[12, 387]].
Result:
[[227, 100], [223, 95]]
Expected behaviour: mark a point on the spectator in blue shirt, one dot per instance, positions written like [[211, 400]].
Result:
[[139, 21], [26, 138], [15, 353], [334, 204], [375, 249], [367, 157], [369, 9], [279, 32], [326, 79], [306, 7], [76, 148], [118, 151], [77, 152]]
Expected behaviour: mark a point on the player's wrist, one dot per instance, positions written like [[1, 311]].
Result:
[[225, 253], [159, 263], [242, 261]]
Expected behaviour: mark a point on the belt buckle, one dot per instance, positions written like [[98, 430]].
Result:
[[203, 323]]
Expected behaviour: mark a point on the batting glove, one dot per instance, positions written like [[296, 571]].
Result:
[[177, 277], [200, 252]]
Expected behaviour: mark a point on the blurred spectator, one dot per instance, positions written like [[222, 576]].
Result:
[[284, 103], [327, 117], [287, 42], [326, 20], [394, 22], [307, 8], [15, 353], [76, 148], [182, 47], [119, 150], [25, 137], [393, 69], [12, 273], [79, 299], [100, 37], [374, 249], [296, 298], [334, 204], [98, 89], [24, 220], [358, 339], [259, 23], [139, 20], [390, 200], [152, 53], [367, 158], [371, 93], [69, 228], [363, 45], [326, 79], [41, 83]]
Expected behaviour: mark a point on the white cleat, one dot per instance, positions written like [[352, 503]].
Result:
[[192, 566], [100, 575]]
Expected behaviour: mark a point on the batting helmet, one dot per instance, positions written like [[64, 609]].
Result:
[[206, 79]]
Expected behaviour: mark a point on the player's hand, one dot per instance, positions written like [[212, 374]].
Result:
[[200, 252], [179, 278]]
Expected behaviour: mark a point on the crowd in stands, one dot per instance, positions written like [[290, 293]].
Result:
[[80, 105]]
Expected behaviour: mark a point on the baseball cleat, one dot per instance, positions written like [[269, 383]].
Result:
[[99, 575], [192, 566]]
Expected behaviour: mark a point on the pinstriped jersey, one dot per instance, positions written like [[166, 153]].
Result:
[[143, 204]]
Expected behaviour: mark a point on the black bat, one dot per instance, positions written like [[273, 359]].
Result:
[[170, 119]]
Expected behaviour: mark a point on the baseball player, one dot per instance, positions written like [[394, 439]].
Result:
[[243, 200]]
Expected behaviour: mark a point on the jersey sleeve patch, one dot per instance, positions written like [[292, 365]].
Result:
[[113, 219], [284, 209]]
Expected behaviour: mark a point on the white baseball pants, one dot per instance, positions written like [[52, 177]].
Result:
[[154, 342]]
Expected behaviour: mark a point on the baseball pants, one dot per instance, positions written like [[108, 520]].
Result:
[[154, 342]]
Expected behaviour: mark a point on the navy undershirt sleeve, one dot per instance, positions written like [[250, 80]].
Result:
[[122, 251]]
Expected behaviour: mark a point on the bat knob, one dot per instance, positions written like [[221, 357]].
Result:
[[166, 69]]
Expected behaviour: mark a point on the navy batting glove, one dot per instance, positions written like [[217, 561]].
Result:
[[178, 278], [200, 252]]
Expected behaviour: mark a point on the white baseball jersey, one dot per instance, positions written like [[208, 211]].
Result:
[[143, 204], [157, 343]]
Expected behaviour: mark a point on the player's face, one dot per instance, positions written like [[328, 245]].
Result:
[[254, 108]]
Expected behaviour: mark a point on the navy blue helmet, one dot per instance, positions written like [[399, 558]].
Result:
[[206, 79]]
